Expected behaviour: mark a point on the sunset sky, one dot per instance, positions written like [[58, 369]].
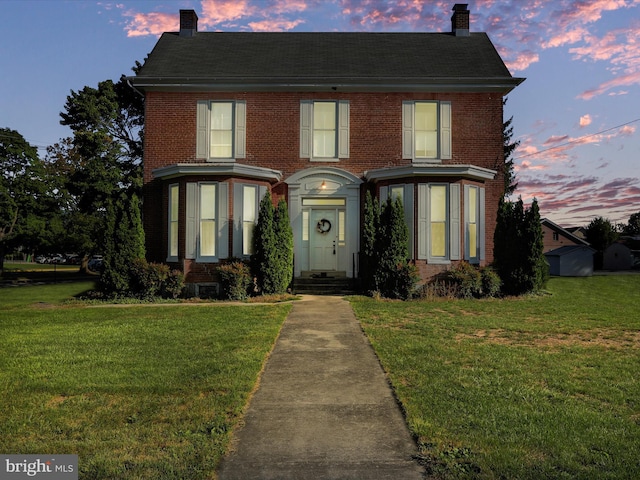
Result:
[[577, 115]]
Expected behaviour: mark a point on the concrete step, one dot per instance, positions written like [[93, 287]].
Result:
[[324, 285]]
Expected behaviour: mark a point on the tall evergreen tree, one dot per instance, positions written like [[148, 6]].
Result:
[[392, 246], [600, 233], [368, 254], [518, 250], [284, 251], [123, 243], [265, 245]]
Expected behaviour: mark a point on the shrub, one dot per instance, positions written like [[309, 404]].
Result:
[[463, 281], [235, 279], [173, 285], [468, 280], [491, 283], [152, 280]]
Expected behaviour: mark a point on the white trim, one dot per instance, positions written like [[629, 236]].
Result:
[[233, 169], [467, 171]]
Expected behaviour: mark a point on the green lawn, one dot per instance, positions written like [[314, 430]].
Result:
[[138, 392], [528, 388]]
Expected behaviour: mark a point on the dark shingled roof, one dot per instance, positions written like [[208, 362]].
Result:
[[345, 59]]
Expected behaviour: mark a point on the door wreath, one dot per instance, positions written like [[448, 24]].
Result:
[[323, 226]]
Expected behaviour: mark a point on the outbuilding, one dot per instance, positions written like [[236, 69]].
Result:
[[571, 261]]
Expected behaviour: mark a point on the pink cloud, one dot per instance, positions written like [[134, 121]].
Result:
[[274, 25], [621, 81], [585, 120], [143, 24]]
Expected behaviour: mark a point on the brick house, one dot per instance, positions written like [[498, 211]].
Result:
[[317, 119]]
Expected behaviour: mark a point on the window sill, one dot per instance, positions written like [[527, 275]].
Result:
[[221, 160], [431, 161], [207, 260], [326, 160]]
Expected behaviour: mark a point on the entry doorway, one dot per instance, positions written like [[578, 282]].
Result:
[[323, 240]]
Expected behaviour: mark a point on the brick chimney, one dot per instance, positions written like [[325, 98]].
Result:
[[460, 20], [188, 23]]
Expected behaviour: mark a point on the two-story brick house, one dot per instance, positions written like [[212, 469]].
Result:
[[318, 118]]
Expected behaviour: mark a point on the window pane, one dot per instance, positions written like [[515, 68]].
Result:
[[249, 204], [473, 240], [247, 237], [438, 203], [221, 130], [426, 129], [324, 129], [324, 115], [426, 144], [221, 116], [338, 202], [208, 238], [222, 144], [324, 143], [208, 202], [473, 204], [173, 201], [305, 226], [173, 241], [438, 239], [342, 225], [426, 116]]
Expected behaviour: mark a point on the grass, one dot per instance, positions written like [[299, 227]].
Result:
[[528, 388], [137, 392]]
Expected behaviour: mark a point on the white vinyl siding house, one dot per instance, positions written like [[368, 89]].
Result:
[[426, 131], [221, 130], [324, 130]]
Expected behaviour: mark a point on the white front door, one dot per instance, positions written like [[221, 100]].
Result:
[[323, 233]]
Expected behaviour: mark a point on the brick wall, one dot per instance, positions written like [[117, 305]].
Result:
[[273, 141]]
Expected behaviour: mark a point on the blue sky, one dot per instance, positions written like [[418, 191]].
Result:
[[577, 115]]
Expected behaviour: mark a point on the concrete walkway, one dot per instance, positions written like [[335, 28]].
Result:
[[324, 409]]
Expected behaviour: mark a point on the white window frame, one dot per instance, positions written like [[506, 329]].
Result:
[[308, 130], [477, 218], [431, 222], [239, 220], [204, 130], [194, 219], [173, 223], [443, 134], [452, 223], [211, 218]]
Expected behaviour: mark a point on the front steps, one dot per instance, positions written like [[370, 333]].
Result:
[[324, 283]]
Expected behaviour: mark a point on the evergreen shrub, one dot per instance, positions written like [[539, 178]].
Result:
[[235, 279]]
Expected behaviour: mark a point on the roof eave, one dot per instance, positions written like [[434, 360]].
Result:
[[501, 85], [471, 172], [217, 169]]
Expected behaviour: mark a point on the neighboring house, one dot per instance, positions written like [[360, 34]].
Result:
[[571, 261], [318, 119], [568, 255], [618, 256], [554, 236]]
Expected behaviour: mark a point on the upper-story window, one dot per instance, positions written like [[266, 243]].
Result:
[[221, 130], [324, 130], [426, 131]]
